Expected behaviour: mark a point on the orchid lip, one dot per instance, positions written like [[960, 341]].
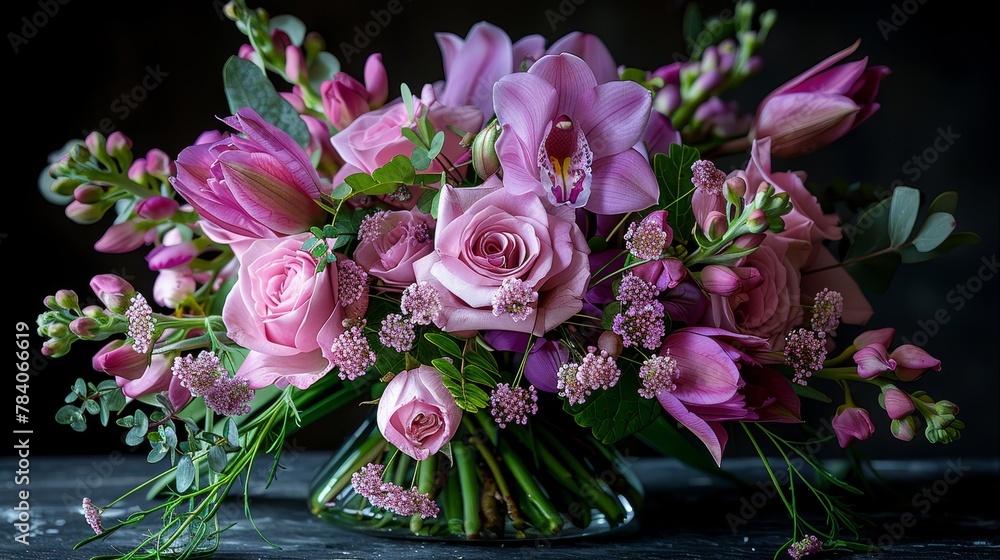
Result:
[[564, 163]]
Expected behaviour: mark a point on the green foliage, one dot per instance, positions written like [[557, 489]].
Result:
[[246, 85], [468, 381], [883, 237], [620, 411], [673, 174]]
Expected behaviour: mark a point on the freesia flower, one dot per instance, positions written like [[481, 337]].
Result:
[[571, 141], [260, 186], [820, 105], [416, 413], [851, 424], [912, 361]]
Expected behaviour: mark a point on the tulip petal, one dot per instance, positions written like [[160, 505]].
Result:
[[712, 435]]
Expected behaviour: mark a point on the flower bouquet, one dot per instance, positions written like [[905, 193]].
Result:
[[514, 268]]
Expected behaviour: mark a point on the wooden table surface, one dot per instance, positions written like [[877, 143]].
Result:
[[941, 510]]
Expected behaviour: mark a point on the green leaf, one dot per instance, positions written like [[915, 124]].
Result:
[[92, 406], [217, 459], [247, 86], [870, 231], [404, 91], [125, 421], [944, 202], [321, 68], [185, 473], [426, 129], [477, 374], [935, 229], [912, 255], [291, 25], [80, 387], [673, 174], [79, 425], [427, 203], [156, 454], [115, 399], [232, 432], [619, 411], [436, 144], [308, 244], [219, 298], [398, 170], [137, 434], [667, 440], [905, 204], [810, 393], [107, 385], [67, 414], [412, 136], [483, 359], [446, 343], [875, 273], [421, 158], [72, 397], [105, 414]]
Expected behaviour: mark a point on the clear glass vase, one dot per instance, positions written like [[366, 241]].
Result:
[[546, 482]]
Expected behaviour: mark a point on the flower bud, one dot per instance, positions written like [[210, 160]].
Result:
[[610, 343], [156, 208], [159, 164], [484, 153], [896, 402], [64, 186], [57, 330], [93, 311], [904, 428], [716, 225], [376, 81], [120, 360], [417, 414], [84, 327], [872, 360], [88, 194], [79, 153], [757, 221], [67, 299], [727, 281], [50, 302], [121, 238], [912, 361], [95, 142], [295, 65], [946, 408], [852, 423], [119, 147], [734, 189], [86, 213], [55, 347], [114, 291]]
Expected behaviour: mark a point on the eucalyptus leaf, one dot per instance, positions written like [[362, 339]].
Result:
[[185, 473], [67, 414], [407, 96], [156, 454], [944, 202], [217, 459], [291, 25], [910, 254], [421, 158], [436, 144], [92, 406], [80, 387], [232, 432], [246, 85], [321, 68], [905, 204], [935, 229]]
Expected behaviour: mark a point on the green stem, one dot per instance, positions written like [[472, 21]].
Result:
[[451, 498], [552, 520], [466, 463], [590, 488], [427, 471], [494, 466]]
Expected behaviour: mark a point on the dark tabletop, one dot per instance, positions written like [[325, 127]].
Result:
[[930, 509]]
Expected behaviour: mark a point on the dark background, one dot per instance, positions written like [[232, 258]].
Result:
[[68, 74]]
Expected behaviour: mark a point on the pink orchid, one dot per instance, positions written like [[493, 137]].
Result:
[[707, 389], [820, 105], [571, 141], [473, 65]]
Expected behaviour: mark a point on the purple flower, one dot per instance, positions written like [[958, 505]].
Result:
[[819, 106], [572, 141], [261, 186]]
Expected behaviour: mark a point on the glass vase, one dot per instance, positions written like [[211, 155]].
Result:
[[545, 482]]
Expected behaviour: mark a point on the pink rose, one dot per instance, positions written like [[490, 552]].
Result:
[[286, 313], [504, 261], [373, 138], [417, 414], [397, 239], [770, 307]]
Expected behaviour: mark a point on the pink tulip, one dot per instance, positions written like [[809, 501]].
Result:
[[819, 106], [881, 337], [119, 360], [344, 99], [852, 423], [260, 186], [121, 238], [376, 81], [727, 281], [417, 414]]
